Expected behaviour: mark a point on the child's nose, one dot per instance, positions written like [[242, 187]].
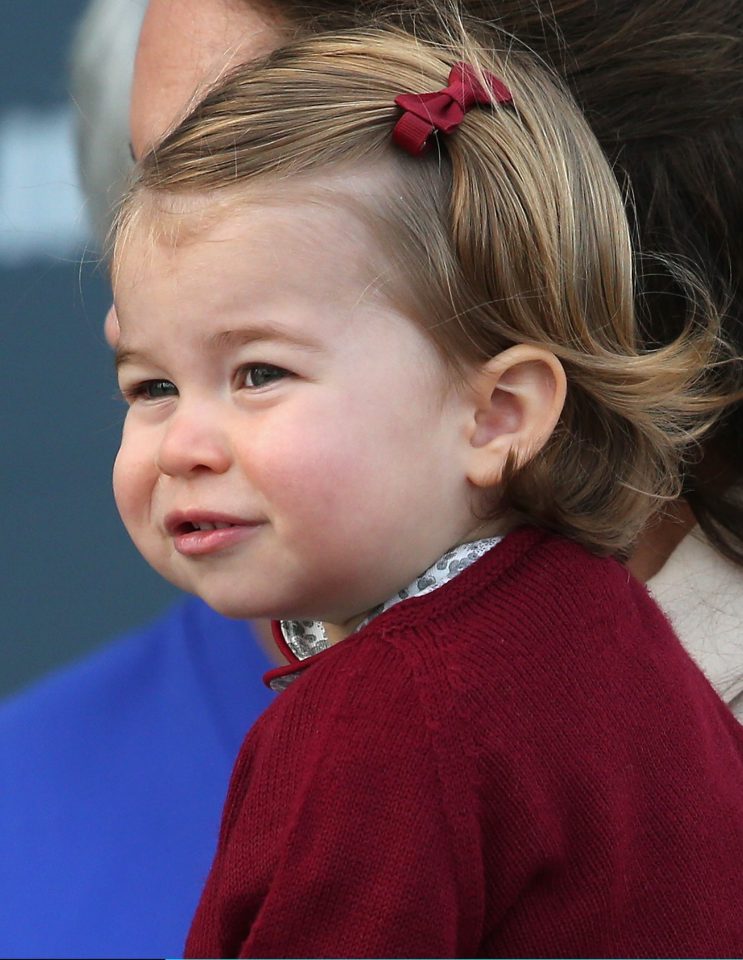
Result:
[[193, 441]]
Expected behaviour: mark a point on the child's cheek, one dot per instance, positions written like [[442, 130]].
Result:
[[313, 466], [132, 484]]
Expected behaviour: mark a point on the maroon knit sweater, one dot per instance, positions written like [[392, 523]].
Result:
[[523, 763]]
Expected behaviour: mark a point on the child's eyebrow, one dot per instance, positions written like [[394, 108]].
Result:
[[230, 338], [123, 356], [244, 335]]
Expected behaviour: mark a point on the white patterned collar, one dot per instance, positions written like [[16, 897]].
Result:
[[305, 638]]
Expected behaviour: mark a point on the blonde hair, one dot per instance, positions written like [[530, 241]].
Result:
[[512, 230]]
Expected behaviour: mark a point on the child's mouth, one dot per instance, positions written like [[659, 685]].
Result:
[[189, 527], [196, 536]]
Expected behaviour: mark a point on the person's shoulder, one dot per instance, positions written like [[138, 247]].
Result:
[[114, 771], [461, 655], [530, 585], [535, 606], [187, 648], [544, 583]]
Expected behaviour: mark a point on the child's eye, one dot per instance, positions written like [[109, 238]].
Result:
[[151, 390], [254, 375]]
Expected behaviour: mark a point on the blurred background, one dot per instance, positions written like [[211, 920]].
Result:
[[70, 578]]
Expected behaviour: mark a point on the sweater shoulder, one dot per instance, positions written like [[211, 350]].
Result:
[[535, 596], [538, 621], [534, 599], [541, 635]]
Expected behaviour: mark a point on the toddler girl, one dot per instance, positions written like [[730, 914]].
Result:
[[384, 386]]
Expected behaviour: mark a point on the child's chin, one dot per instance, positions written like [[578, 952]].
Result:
[[232, 611], [235, 609], [221, 601]]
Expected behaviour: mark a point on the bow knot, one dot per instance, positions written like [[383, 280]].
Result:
[[444, 110]]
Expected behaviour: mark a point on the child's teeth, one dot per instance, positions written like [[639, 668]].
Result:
[[211, 526]]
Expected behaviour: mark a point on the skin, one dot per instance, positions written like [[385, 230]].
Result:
[[185, 45], [307, 409]]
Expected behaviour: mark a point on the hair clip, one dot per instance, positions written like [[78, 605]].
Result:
[[443, 110]]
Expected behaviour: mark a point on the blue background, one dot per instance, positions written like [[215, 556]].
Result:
[[70, 577]]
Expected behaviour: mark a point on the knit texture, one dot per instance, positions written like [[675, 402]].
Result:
[[522, 763]]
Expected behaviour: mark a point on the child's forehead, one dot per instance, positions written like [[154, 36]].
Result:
[[217, 252], [339, 208]]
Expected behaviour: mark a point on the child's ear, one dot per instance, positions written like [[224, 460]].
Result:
[[519, 396]]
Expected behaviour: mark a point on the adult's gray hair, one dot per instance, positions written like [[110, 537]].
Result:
[[102, 63]]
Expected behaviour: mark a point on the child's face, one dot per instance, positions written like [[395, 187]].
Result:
[[275, 393]]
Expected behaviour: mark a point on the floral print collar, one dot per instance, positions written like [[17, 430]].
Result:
[[305, 638]]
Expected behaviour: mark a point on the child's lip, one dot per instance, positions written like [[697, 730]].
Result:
[[209, 541], [180, 522]]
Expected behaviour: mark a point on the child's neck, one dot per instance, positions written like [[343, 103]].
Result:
[[335, 632], [339, 631]]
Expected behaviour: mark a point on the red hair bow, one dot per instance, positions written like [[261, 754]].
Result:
[[444, 110]]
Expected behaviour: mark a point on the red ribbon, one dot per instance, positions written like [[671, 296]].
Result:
[[444, 110]]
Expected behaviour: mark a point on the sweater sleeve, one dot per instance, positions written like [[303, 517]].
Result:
[[367, 857]]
